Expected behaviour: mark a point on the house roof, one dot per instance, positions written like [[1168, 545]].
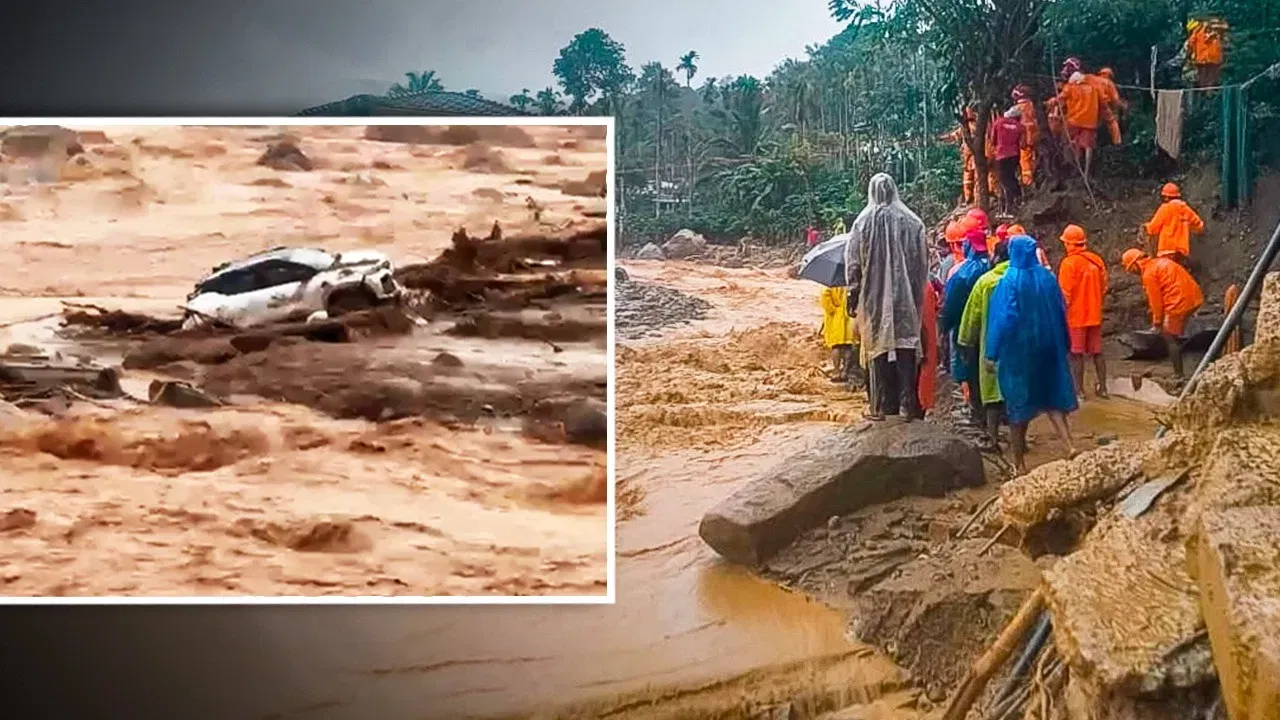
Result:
[[429, 104]]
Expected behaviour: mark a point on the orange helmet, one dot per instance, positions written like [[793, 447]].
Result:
[[1074, 235], [954, 233], [1130, 258], [1016, 230], [1170, 190], [1107, 73]]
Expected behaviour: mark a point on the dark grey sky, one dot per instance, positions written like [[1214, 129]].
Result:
[[339, 47]]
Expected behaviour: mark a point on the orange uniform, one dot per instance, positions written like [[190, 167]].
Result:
[[970, 173], [1082, 104], [1083, 279], [1027, 156], [1204, 48], [1111, 103], [1172, 294], [1173, 224]]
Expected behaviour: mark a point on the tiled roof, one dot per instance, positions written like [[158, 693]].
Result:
[[428, 104]]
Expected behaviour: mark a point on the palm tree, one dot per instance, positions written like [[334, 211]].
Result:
[[548, 101], [689, 66], [425, 81], [521, 101]]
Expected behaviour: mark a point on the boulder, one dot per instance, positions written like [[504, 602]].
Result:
[[650, 252], [684, 244], [620, 275], [285, 155], [850, 469]]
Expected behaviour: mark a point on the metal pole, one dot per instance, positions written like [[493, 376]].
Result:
[[1251, 289]]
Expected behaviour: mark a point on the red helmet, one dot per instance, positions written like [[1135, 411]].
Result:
[[1071, 65]]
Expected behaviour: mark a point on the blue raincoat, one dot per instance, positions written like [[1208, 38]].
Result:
[[1027, 337], [954, 298]]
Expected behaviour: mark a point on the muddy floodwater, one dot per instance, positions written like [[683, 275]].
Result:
[[395, 464], [690, 636]]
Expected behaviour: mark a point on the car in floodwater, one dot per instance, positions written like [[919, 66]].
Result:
[[291, 284]]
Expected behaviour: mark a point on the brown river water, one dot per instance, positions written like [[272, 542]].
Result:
[[689, 636]]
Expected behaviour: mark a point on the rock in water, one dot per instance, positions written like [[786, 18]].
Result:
[[650, 252], [843, 472], [684, 244]]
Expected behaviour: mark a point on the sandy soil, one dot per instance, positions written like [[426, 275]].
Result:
[[274, 498]]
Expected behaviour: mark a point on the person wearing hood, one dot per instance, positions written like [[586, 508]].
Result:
[[1010, 138], [1083, 279], [1172, 296], [964, 360], [839, 333], [887, 268], [1027, 342], [1014, 231], [985, 400], [1082, 107], [1031, 128], [1173, 225]]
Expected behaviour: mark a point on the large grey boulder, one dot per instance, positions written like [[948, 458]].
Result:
[[650, 252], [684, 244], [843, 472]]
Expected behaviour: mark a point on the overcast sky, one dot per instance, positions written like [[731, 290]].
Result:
[[340, 47]]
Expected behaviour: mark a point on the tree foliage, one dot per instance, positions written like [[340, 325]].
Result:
[[767, 156], [425, 81]]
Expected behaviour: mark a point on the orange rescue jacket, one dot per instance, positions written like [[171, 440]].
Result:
[[1172, 225], [1171, 291], [1083, 279], [1082, 104]]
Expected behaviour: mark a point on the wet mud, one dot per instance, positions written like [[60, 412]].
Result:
[[412, 450]]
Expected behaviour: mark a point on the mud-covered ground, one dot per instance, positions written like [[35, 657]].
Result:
[[456, 448], [734, 388]]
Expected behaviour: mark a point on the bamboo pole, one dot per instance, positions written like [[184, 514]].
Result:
[[986, 666]]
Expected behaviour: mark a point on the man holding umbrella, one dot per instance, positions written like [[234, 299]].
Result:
[[886, 263]]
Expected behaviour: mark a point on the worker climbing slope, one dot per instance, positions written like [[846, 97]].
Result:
[[1173, 224], [1172, 296], [1031, 127], [1083, 279], [1112, 103], [1082, 107]]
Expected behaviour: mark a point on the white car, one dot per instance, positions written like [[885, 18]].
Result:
[[291, 284]]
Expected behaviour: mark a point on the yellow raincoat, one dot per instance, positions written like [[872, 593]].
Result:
[[837, 327]]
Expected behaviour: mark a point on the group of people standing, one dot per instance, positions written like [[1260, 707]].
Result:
[[1015, 335], [1014, 144]]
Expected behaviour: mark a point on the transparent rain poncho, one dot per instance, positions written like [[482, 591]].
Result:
[[886, 267]]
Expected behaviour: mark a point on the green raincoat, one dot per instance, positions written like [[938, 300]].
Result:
[[973, 330]]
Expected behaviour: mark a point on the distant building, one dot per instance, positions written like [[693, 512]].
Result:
[[423, 104]]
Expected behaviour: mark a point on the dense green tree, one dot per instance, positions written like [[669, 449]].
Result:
[[592, 67], [523, 101], [548, 101]]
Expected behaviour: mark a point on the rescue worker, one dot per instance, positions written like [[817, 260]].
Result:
[[1172, 295], [1082, 108], [1083, 279], [1010, 138], [1204, 49], [1027, 158], [838, 228], [929, 338], [839, 333], [811, 236], [985, 394], [1173, 225], [954, 237], [1026, 341], [1016, 230], [1112, 103]]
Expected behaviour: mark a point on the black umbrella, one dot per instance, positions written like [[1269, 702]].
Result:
[[824, 264]]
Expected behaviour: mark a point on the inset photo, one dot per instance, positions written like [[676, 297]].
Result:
[[305, 360]]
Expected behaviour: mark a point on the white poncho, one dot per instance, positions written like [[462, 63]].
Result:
[[887, 266]]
